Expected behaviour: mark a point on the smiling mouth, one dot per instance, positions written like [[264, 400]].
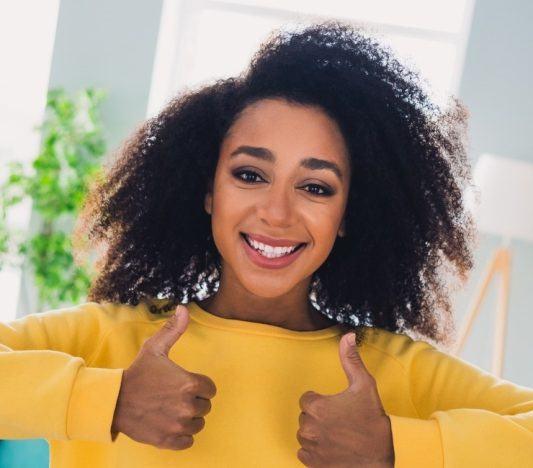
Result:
[[245, 237]]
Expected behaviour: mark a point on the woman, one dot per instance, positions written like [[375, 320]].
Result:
[[312, 197]]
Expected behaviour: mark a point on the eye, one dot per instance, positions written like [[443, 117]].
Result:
[[237, 175], [325, 192]]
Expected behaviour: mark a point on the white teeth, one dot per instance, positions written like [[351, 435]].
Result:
[[269, 251]]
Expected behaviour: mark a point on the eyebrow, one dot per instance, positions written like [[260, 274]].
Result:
[[267, 155]]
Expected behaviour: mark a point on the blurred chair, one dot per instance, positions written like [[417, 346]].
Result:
[[505, 208]]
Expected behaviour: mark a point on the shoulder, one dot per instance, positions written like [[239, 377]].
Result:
[[104, 314], [399, 347]]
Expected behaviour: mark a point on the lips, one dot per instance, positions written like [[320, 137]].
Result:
[[271, 241], [270, 262], [245, 237]]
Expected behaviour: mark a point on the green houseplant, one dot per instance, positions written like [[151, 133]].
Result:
[[70, 157]]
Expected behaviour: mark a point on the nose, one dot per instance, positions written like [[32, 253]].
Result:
[[277, 208]]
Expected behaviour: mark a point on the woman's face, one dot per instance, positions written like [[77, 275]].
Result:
[[283, 173]]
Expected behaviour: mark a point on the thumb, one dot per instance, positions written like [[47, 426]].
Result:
[[350, 359], [161, 342]]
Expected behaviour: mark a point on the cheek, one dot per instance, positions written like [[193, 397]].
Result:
[[322, 224], [231, 204], [324, 227], [227, 215], [324, 238]]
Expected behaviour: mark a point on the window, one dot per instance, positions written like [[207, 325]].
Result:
[[201, 40]]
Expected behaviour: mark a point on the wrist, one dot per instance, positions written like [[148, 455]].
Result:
[[115, 424], [387, 459]]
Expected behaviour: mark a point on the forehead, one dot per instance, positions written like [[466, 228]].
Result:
[[287, 129]]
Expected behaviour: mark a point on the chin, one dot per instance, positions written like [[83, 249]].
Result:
[[261, 288]]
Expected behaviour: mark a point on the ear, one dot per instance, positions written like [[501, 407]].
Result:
[[208, 200]]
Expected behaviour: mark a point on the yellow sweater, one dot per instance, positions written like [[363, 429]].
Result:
[[61, 372]]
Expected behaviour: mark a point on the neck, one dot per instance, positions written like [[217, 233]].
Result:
[[292, 311], [276, 314]]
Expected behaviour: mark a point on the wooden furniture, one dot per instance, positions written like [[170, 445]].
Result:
[[500, 263], [505, 210]]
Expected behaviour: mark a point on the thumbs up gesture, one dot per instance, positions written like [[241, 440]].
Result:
[[159, 402], [347, 429]]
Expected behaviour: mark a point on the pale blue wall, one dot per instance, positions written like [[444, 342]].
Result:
[[497, 87], [109, 44]]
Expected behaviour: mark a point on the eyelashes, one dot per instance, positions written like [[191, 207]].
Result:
[[326, 192]]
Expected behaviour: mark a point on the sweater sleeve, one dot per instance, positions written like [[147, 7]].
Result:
[[467, 416], [47, 389]]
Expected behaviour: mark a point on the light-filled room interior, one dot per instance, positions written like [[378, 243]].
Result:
[[84, 83]]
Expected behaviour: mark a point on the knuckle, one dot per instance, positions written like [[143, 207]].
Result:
[[313, 404], [173, 442], [307, 435], [191, 385], [305, 457], [197, 425], [305, 400], [211, 386], [169, 324], [188, 411], [318, 408], [184, 442], [301, 440], [206, 383], [202, 406], [164, 441], [177, 428]]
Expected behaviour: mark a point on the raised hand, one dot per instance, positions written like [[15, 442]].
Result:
[[348, 429], [161, 403]]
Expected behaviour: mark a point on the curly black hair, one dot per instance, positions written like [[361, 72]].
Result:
[[405, 216]]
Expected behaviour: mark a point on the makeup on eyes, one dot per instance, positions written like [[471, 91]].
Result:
[[325, 190]]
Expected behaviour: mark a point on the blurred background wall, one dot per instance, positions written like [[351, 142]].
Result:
[[109, 45], [496, 86]]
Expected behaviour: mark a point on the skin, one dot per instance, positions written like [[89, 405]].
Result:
[[280, 204]]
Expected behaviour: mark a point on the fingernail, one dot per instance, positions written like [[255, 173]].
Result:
[[351, 338]]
